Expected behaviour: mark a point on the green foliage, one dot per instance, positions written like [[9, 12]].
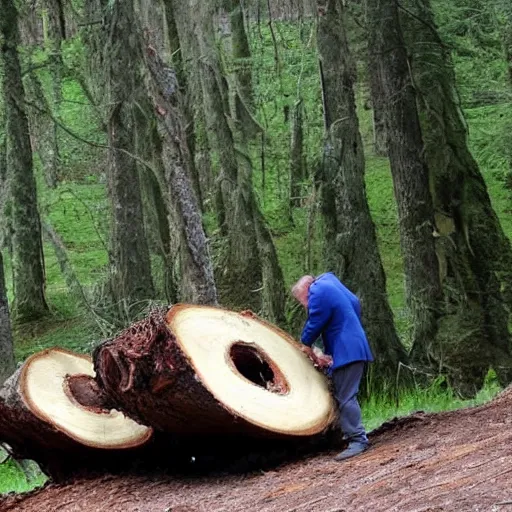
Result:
[[77, 209], [436, 398], [12, 479]]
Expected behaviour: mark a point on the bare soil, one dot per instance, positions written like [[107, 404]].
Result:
[[454, 461]]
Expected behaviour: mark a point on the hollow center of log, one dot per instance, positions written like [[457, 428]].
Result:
[[254, 365], [85, 391]]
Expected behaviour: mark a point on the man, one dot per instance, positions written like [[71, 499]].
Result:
[[334, 312]]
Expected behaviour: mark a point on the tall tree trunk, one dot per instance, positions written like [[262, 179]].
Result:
[[241, 52], [154, 192], [357, 259], [297, 162], [197, 283], [409, 171], [188, 96], [474, 254], [6, 346], [251, 276], [130, 261], [56, 34], [238, 284], [28, 262]]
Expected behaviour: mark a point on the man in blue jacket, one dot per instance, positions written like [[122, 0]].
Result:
[[334, 312]]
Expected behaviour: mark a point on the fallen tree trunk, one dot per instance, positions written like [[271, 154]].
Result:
[[52, 411], [204, 370], [453, 461]]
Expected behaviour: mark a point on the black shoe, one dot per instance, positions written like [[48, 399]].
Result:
[[354, 448]]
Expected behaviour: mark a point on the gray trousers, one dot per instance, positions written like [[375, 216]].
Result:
[[346, 383]]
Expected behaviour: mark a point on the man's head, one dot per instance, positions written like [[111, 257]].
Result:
[[301, 288]]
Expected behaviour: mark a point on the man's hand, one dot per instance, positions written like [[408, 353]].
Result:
[[317, 357]]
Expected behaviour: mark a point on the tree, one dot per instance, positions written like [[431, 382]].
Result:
[[28, 263], [251, 263], [197, 283], [52, 411], [507, 46], [131, 279], [54, 11], [6, 345], [475, 256], [181, 43], [409, 171], [352, 249], [241, 54]]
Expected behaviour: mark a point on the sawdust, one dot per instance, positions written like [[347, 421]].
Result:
[[457, 461]]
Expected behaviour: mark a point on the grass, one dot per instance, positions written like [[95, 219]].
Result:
[[436, 398], [13, 479], [77, 209]]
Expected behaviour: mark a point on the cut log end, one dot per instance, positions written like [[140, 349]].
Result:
[[202, 369], [58, 387]]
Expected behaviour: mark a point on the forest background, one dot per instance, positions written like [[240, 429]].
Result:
[[213, 152]]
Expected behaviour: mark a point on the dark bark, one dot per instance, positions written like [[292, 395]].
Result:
[[156, 202], [131, 279], [355, 257], [409, 171], [28, 263], [187, 94], [197, 283], [150, 376], [474, 254], [6, 344], [171, 398], [247, 264], [235, 215], [297, 160], [61, 457]]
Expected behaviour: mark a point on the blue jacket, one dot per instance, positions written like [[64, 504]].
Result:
[[335, 313]]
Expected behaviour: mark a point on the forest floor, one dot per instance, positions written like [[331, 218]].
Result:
[[451, 461]]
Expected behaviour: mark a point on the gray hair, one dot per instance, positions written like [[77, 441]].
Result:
[[301, 283]]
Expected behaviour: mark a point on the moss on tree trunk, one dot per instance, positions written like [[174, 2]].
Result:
[[409, 171], [197, 283], [28, 262], [241, 51], [475, 257], [355, 256], [249, 251], [6, 345], [130, 261], [43, 130]]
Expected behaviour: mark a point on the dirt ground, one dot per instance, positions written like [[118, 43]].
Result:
[[453, 461]]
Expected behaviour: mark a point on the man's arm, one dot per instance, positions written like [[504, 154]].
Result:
[[319, 313]]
